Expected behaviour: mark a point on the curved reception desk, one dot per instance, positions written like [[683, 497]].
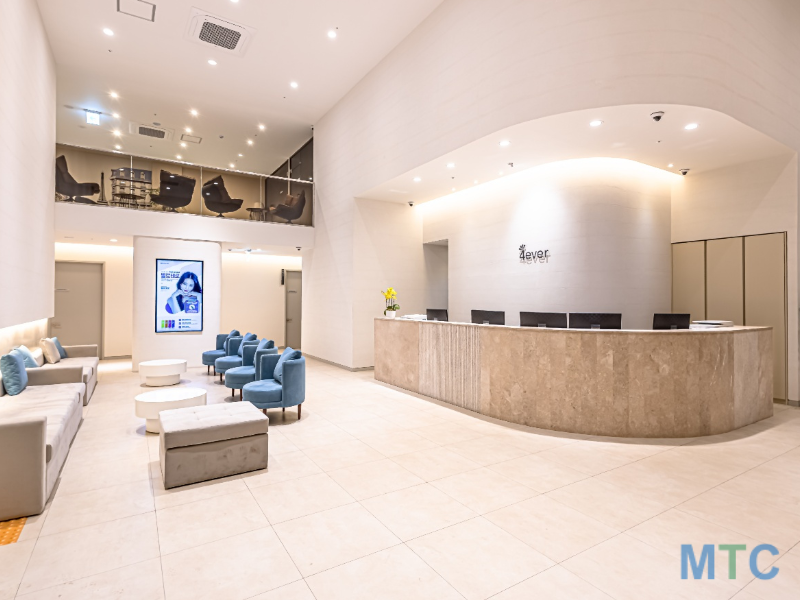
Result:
[[656, 384]]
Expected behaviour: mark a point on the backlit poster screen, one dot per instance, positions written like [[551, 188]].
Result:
[[179, 295]]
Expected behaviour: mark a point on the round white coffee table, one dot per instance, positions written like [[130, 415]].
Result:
[[149, 404], [167, 371]]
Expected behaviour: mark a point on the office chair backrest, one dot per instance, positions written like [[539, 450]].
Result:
[[538, 319], [436, 314]]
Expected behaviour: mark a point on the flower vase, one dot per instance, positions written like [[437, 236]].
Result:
[[390, 314]]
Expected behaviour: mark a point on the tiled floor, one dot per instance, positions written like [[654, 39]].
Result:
[[377, 494]]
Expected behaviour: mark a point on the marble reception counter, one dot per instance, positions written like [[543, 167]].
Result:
[[682, 383]]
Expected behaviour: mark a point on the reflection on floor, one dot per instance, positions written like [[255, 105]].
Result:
[[376, 494]]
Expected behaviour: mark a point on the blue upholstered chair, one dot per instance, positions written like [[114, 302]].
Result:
[[211, 356], [281, 382], [233, 353], [237, 377]]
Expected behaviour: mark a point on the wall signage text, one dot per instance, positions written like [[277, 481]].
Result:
[[534, 256]]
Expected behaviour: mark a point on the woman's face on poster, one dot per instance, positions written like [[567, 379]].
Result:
[[187, 286]]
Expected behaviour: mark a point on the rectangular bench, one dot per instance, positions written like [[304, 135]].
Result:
[[200, 443]]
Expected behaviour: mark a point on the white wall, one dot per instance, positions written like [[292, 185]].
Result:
[[148, 345], [27, 334], [475, 67], [27, 165], [117, 264], [436, 275], [751, 198], [253, 298]]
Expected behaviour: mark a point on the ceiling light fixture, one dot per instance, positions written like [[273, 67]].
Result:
[[117, 132], [241, 155], [108, 32], [475, 182], [262, 127], [670, 165], [691, 126], [293, 85], [453, 190], [194, 112], [183, 144], [249, 142], [595, 123], [232, 165], [505, 143], [113, 240], [332, 34], [178, 156], [212, 62], [114, 95], [417, 179], [115, 115], [92, 118], [451, 165], [188, 130], [500, 173], [118, 147]]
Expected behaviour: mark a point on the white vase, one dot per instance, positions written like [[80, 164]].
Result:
[[390, 314]]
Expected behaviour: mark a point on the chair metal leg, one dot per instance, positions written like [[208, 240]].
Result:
[[208, 369], [220, 377], [299, 410], [284, 409], [240, 395]]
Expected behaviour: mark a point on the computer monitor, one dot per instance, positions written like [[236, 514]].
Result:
[[436, 314], [595, 321], [489, 317], [671, 321], [539, 319]]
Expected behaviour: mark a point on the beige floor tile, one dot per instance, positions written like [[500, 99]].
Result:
[[141, 581], [412, 419], [478, 558], [342, 454], [487, 450], [13, 562], [167, 498], [393, 574], [280, 444], [556, 583], [294, 591], [591, 457], [328, 539], [234, 568], [483, 490], [555, 530], [617, 507], [368, 427], [784, 586], [87, 476], [435, 463], [770, 483], [80, 553], [33, 524], [374, 478], [72, 511], [538, 440], [321, 434], [397, 443], [417, 511], [283, 467], [628, 569], [747, 517], [300, 497], [538, 473], [447, 433], [188, 525]]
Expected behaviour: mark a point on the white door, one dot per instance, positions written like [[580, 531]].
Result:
[[78, 317], [294, 302]]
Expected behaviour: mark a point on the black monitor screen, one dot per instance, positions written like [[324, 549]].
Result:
[[671, 321], [595, 321], [489, 317], [538, 319], [436, 314]]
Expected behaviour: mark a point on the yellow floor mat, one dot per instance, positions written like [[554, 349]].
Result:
[[10, 530]]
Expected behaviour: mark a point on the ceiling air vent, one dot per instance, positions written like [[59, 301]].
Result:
[[152, 131], [210, 30], [192, 139]]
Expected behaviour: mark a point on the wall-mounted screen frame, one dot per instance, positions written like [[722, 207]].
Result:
[[179, 296]]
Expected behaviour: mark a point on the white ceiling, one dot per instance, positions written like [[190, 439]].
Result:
[[160, 76], [626, 132]]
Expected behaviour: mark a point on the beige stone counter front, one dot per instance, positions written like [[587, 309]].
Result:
[[601, 382]]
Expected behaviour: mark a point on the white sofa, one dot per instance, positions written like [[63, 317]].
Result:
[[37, 427], [79, 356]]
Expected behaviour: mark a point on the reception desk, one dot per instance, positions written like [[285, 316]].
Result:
[[655, 384]]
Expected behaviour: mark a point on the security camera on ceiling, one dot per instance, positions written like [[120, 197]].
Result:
[[411, 203], [684, 171], [656, 116]]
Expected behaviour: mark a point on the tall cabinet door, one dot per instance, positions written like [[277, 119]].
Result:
[[689, 279], [765, 295], [725, 280]]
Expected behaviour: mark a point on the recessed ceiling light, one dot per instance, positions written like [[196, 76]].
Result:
[[232, 165], [474, 182], [183, 144], [113, 240], [691, 126], [505, 143], [188, 130], [178, 156], [234, 1], [108, 32], [115, 115], [332, 34], [451, 165], [114, 95], [670, 165], [118, 147], [500, 173], [212, 62], [117, 132], [241, 155], [293, 84], [417, 179], [249, 142], [92, 118], [453, 190], [194, 112], [595, 123], [262, 127]]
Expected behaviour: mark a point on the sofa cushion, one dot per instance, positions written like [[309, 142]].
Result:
[[263, 393], [61, 350], [288, 354], [27, 357], [12, 369], [248, 337], [87, 362], [210, 356], [50, 350], [195, 425], [38, 356]]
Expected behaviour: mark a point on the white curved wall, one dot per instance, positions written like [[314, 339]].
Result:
[[474, 67]]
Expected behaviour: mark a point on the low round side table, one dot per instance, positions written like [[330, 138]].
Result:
[[150, 404], [155, 373]]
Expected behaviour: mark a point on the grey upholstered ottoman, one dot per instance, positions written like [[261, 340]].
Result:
[[199, 443]]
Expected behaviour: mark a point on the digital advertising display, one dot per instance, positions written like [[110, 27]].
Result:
[[179, 295]]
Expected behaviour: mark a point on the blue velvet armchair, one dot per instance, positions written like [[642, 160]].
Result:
[[237, 377], [210, 357], [288, 390], [234, 347]]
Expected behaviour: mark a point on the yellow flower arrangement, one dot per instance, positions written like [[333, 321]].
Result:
[[390, 295]]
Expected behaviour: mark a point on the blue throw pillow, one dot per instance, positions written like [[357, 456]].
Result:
[[248, 337], [27, 357], [234, 333], [288, 354], [270, 344], [61, 351], [12, 368], [263, 344]]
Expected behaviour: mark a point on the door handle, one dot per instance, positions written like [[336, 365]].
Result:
[[62, 290], [287, 320]]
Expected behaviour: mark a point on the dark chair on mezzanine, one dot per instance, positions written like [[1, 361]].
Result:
[[217, 198], [292, 209], [66, 184], [175, 191]]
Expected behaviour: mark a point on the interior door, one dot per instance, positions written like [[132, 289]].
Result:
[[294, 302], [78, 317], [725, 280], [689, 279]]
